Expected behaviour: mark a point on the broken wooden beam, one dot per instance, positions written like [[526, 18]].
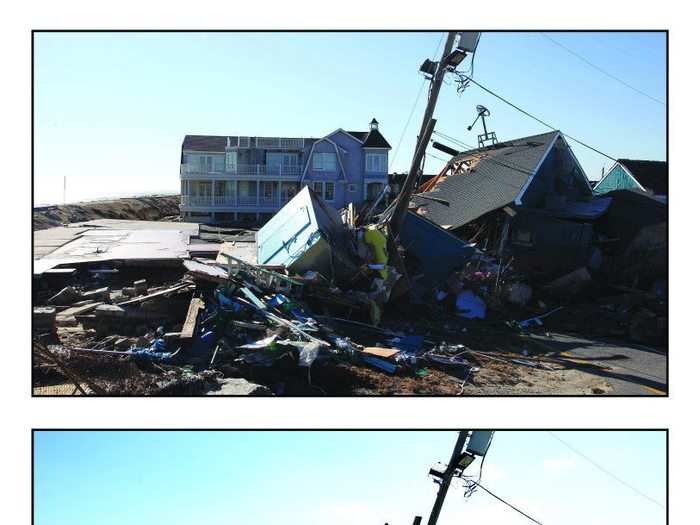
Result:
[[188, 327]]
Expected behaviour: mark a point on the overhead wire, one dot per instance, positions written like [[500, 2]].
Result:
[[506, 502], [524, 112], [413, 109], [505, 164], [606, 73], [605, 471]]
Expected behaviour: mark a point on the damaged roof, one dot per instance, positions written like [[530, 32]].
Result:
[[652, 174], [498, 175]]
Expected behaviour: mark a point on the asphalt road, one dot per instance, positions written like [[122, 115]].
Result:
[[631, 369]]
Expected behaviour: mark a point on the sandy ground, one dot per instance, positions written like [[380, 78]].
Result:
[[153, 208]]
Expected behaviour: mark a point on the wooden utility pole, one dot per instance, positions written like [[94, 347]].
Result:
[[447, 477], [426, 130]]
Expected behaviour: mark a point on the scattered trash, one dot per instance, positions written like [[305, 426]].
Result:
[[335, 291]]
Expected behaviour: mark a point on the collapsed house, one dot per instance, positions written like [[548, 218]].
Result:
[[145, 307], [527, 198]]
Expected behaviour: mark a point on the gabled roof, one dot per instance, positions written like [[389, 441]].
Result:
[[371, 139], [204, 143], [652, 174], [498, 176]]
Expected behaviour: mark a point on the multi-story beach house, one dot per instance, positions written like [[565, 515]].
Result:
[[247, 179]]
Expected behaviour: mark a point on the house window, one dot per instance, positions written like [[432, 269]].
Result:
[[318, 187], [329, 194], [375, 163], [352, 188], [324, 162]]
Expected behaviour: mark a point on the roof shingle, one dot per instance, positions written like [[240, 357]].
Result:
[[499, 174]]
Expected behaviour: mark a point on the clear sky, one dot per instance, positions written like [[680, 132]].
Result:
[[353, 478], [111, 109]]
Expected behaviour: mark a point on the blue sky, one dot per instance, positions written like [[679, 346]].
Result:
[[362, 478], [111, 109]]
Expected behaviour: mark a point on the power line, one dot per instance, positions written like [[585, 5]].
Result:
[[541, 121], [604, 470], [610, 75], [505, 164], [438, 158], [413, 109], [505, 502]]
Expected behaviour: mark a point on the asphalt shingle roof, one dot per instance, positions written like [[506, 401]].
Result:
[[495, 181], [371, 139], [652, 174]]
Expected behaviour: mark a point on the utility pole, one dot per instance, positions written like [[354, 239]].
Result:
[[428, 124], [64, 189], [447, 477]]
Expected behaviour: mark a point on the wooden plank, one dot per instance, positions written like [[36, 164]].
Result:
[[196, 306], [386, 353], [155, 294], [77, 310]]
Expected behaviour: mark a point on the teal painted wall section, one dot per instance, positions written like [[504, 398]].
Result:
[[617, 179]]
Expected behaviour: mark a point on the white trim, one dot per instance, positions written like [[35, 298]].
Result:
[[343, 131], [618, 163], [311, 152], [518, 200], [580, 169], [375, 147]]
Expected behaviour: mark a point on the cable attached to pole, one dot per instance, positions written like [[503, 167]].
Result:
[[505, 502], [499, 97]]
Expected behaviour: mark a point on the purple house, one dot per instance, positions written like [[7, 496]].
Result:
[[247, 179]]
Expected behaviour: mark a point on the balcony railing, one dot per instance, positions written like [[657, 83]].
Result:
[[232, 201], [279, 143], [196, 200], [242, 170]]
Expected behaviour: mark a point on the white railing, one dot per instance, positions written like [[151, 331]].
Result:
[[245, 170], [224, 200], [196, 200], [230, 200], [198, 169], [247, 201], [279, 143]]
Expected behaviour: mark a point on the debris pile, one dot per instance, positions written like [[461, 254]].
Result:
[[318, 301]]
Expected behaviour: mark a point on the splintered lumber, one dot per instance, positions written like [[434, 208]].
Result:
[[166, 291], [101, 294], [196, 306], [78, 310], [140, 287], [206, 272]]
